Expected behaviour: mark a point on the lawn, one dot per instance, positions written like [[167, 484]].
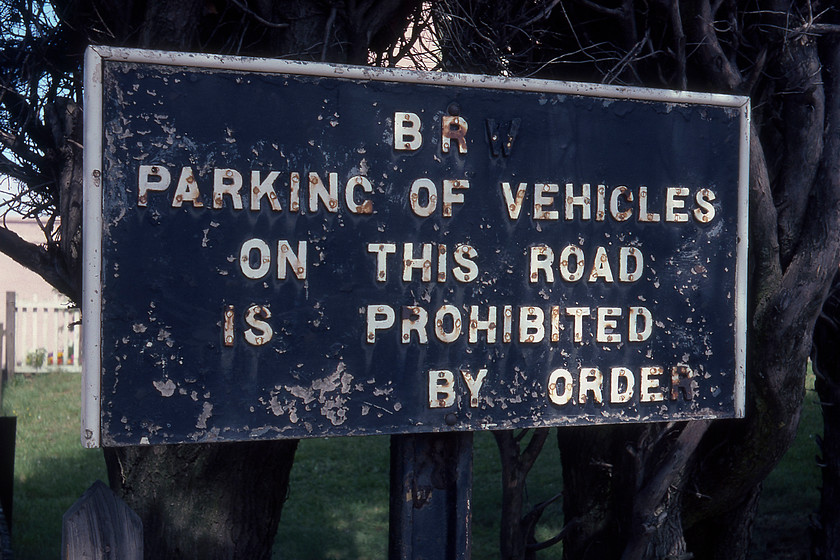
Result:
[[338, 501], [52, 469], [791, 493]]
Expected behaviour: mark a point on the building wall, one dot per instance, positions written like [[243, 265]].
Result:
[[14, 277], [43, 319]]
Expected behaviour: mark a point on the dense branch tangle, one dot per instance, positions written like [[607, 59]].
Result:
[[41, 49], [631, 42], [784, 54]]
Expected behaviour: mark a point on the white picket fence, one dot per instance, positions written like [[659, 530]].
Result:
[[46, 335]]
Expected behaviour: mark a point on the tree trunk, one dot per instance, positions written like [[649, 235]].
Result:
[[65, 120], [787, 298], [209, 501], [785, 56], [624, 489], [727, 536], [597, 485], [517, 531], [825, 357], [225, 500], [788, 283], [202, 500]]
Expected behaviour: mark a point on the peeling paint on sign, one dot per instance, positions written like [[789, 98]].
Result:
[[353, 251]]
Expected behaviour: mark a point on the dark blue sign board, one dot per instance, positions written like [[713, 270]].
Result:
[[278, 249]]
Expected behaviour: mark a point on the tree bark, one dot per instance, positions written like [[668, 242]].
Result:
[[196, 501], [739, 455], [598, 478], [225, 500], [624, 489], [209, 501], [791, 72], [65, 120], [516, 530], [825, 357], [788, 284]]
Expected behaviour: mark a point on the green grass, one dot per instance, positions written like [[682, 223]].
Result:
[[544, 481], [52, 469], [338, 500], [791, 493]]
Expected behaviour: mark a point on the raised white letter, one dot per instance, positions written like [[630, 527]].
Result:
[[531, 324], [649, 385], [381, 250], [263, 258], [407, 132], [514, 204], [414, 197], [560, 387], [590, 382], [227, 182], [287, 256], [454, 128], [474, 385], [144, 185], [542, 257], [365, 207], [187, 190], [616, 375], [264, 188], [633, 332], [260, 331], [379, 317], [441, 388]]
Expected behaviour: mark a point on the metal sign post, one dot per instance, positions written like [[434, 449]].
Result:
[[279, 249], [431, 496]]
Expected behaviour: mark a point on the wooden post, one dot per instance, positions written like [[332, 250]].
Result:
[[2, 362], [431, 493], [10, 335], [5, 539], [8, 431], [100, 526]]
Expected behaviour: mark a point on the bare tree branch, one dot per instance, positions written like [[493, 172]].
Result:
[[601, 9], [803, 104], [764, 245], [327, 31], [626, 60], [679, 40], [542, 14], [818, 28], [38, 259], [259, 18], [714, 59]]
